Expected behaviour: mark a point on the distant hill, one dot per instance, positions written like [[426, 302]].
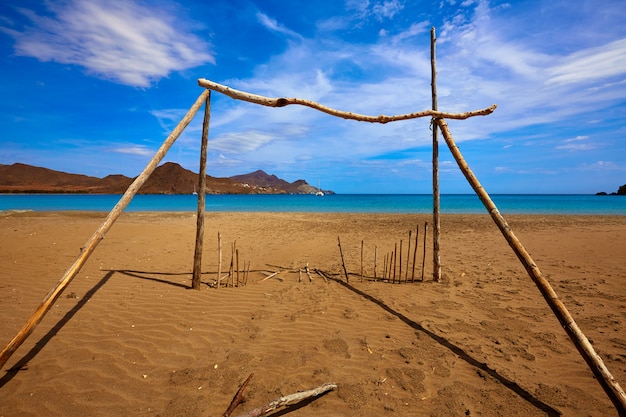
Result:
[[169, 178]]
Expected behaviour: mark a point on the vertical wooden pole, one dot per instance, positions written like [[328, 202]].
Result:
[[342, 261], [237, 257], [219, 258], [595, 363], [436, 214], [197, 258], [417, 232], [408, 256], [385, 267], [400, 264], [98, 235], [424, 255], [395, 261], [231, 268], [361, 261], [375, 260]]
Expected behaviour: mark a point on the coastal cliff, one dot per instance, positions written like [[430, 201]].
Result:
[[169, 178]]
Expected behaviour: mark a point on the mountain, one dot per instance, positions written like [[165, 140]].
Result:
[[263, 181], [169, 178]]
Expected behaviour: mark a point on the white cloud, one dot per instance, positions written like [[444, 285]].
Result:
[[379, 10], [241, 142], [274, 26], [387, 8], [591, 64], [123, 41], [134, 150]]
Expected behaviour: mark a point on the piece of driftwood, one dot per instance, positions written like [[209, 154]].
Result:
[[283, 101], [98, 235], [321, 274], [595, 363], [197, 257], [289, 399], [436, 197], [269, 276], [306, 269], [238, 398], [342, 261]]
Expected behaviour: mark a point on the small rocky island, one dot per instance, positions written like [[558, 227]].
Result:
[[620, 191]]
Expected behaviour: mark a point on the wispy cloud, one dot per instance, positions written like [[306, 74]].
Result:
[[274, 26], [139, 150], [591, 64], [379, 10], [124, 41]]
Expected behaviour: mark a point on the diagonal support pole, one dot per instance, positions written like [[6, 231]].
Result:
[[595, 363], [97, 237]]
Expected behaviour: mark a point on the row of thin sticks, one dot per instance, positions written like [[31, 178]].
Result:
[[235, 277], [392, 263], [393, 260]]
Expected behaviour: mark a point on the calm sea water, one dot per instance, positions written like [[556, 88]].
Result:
[[346, 203]]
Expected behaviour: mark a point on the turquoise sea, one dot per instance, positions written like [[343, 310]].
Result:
[[345, 203]]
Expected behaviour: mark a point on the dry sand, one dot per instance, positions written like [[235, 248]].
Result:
[[128, 336]]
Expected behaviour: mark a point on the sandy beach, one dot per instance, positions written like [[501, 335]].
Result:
[[129, 336]]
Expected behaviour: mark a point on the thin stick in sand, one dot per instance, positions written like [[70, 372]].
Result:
[[424, 255], [342, 260], [417, 232], [408, 256], [219, 258], [237, 399], [375, 260], [361, 261], [400, 264]]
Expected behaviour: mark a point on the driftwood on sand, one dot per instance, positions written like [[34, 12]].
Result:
[[289, 399]]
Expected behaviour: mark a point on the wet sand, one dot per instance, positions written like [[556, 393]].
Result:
[[128, 336]]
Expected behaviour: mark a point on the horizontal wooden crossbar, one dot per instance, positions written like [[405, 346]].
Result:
[[282, 102]]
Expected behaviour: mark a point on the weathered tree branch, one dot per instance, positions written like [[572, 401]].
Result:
[[288, 399], [281, 102]]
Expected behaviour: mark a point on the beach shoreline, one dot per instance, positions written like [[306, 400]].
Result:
[[129, 337]]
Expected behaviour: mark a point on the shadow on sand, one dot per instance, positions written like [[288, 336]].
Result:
[[41, 343], [512, 385]]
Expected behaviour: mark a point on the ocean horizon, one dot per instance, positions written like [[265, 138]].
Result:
[[566, 204]]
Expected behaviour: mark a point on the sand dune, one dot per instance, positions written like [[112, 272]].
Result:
[[128, 336]]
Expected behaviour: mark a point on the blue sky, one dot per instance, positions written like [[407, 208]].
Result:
[[95, 86]]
